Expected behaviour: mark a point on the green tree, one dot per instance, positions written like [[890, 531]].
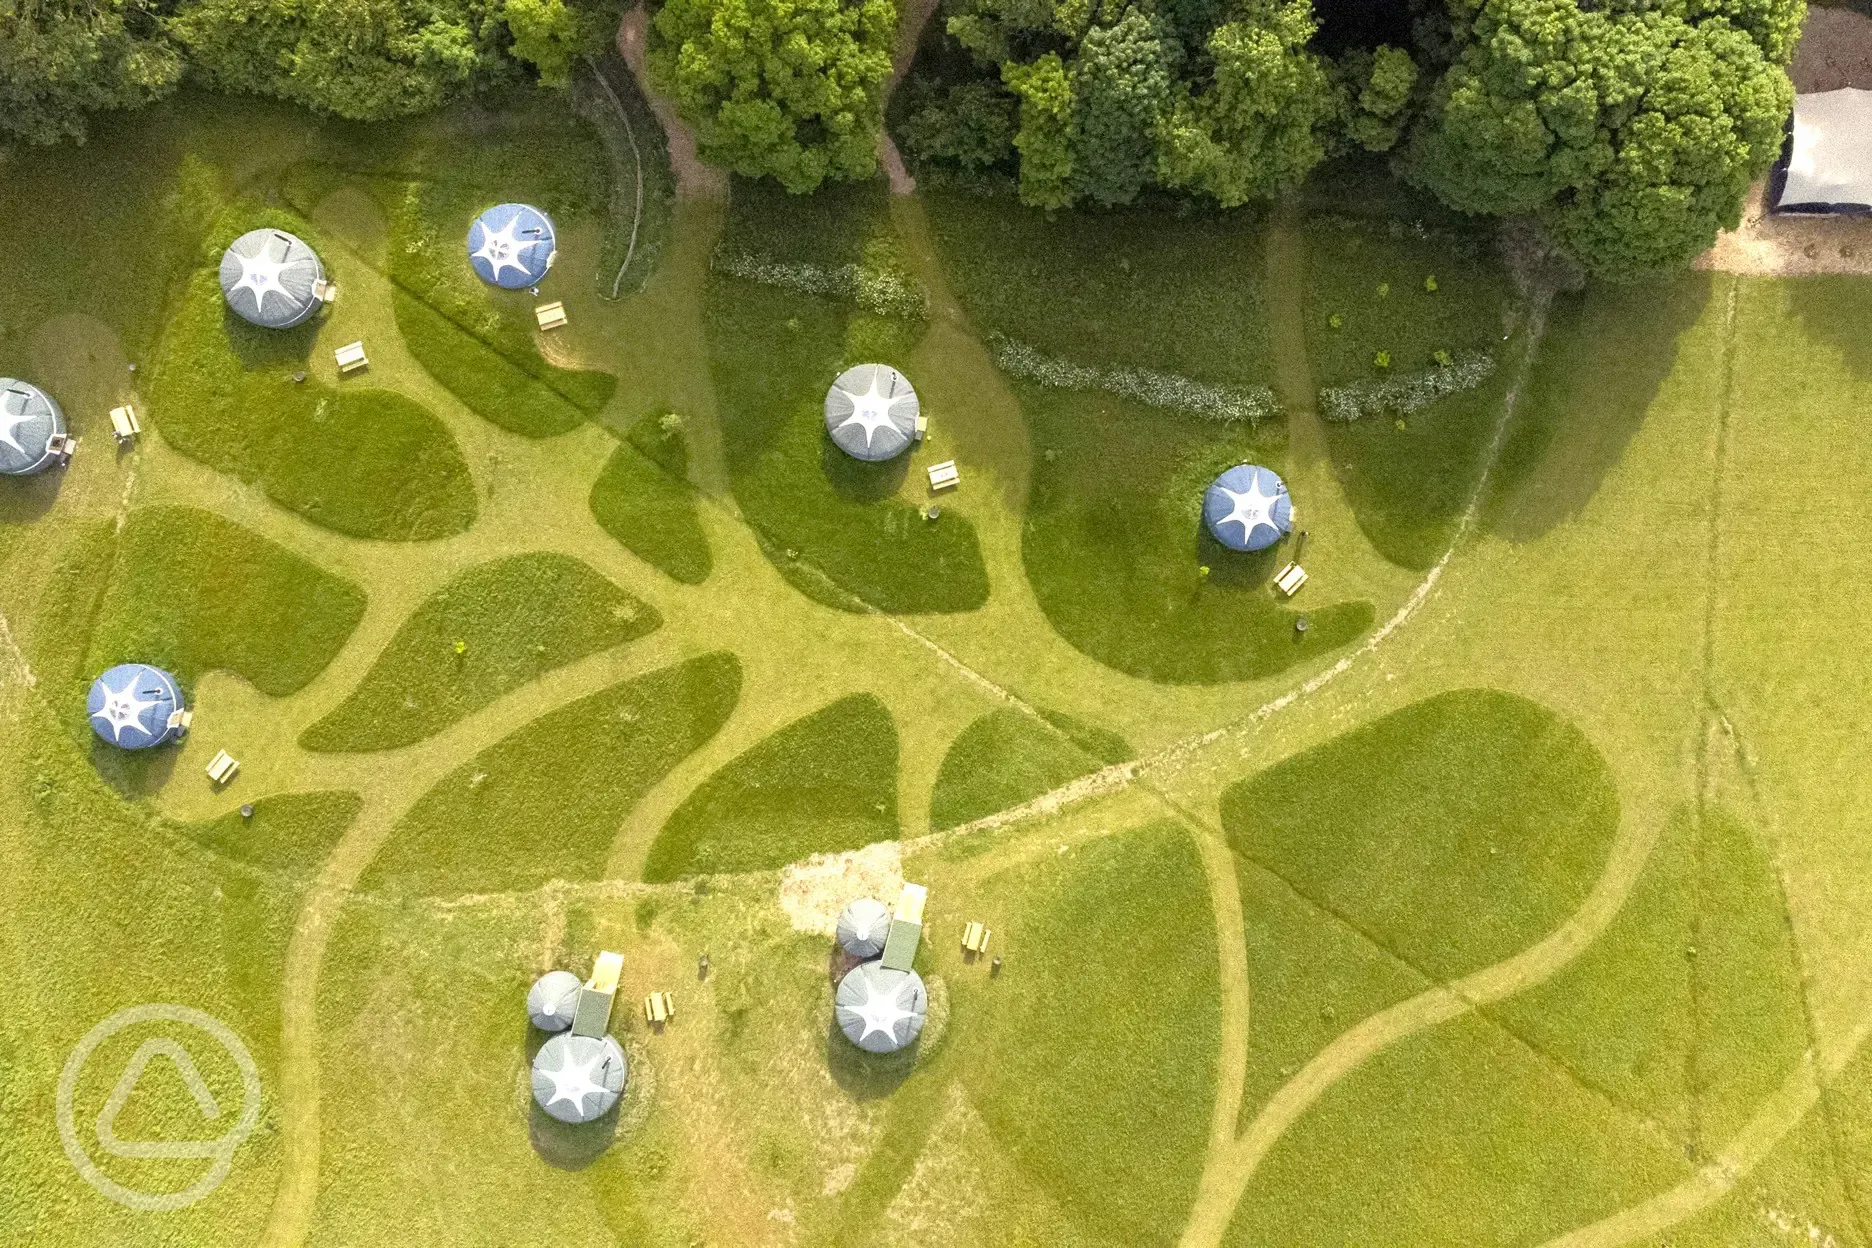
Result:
[[367, 60], [789, 89], [1378, 86], [1632, 130], [61, 60], [548, 35]]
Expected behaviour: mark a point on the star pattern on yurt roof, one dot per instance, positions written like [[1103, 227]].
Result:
[[871, 410], [12, 416], [501, 249], [123, 709], [573, 1080], [260, 273], [881, 1010], [1251, 508]]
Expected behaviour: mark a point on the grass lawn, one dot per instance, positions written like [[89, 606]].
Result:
[[1458, 1136], [1408, 483], [823, 783], [1454, 832], [289, 832], [191, 593], [100, 911], [490, 630], [545, 802], [1006, 757], [773, 353], [644, 500], [1092, 1058], [1114, 545], [360, 461], [1606, 353]]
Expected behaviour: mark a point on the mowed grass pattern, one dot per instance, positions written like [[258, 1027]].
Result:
[[1007, 757], [360, 461], [834, 526], [191, 593], [644, 500], [1454, 832], [1093, 1057], [287, 832], [823, 783], [487, 632], [545, 802]]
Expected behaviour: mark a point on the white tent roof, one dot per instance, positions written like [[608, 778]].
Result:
[[1831, 166]]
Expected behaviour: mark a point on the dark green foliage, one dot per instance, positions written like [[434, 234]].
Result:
[[369, 463], [1223, 101], [1633, 133], [824, 783], [63, 59], [191, 593], [291, 832], [1377, 86], [1454, 832], [1006, 757], [644, 500], [490, 630], [1103, 744], [1114, 944], [788, 91], [545, 802], [968, 124]]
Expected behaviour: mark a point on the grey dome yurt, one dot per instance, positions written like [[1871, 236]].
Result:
[[881, 1010], [134, 706], [871, 412], [862, 927], [272, 279], [1248, 508], [512, 246], [32, 428], [578, 1078], [553, 1000]]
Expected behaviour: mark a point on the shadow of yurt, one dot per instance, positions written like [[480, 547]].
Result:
[[568, 1145]]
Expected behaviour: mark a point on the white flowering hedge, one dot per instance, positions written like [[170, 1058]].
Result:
[[1400, 396], [1153, 389], [878, 290]]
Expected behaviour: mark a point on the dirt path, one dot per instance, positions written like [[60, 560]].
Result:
[[694, 178], [915, 17]]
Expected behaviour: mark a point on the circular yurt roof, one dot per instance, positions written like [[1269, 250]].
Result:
[[269, 276], [28, 420], [881, 1010], [132, 704], [553, 999], [1248, 508], [871, 412], [512, 245], [578, 1078], [862, 927]]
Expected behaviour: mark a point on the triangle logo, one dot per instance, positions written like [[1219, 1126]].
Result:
[[126, 1084]]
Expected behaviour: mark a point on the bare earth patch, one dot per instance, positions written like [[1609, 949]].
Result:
[[814, 891]]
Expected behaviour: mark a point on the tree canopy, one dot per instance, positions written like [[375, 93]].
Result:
[[61, 60], [790, 89]]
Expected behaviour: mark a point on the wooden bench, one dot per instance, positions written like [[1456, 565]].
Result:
[[1289, 579], [659, 1008], [550, 315], [975, 938], [350, 357], [944, 476], [222, 766], [124, 423]]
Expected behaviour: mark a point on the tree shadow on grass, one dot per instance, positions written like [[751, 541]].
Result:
[[867, 1076], [858, 480], [1607, 353], [1836, 310]]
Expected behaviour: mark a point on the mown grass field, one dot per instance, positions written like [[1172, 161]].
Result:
[[695, 652]]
